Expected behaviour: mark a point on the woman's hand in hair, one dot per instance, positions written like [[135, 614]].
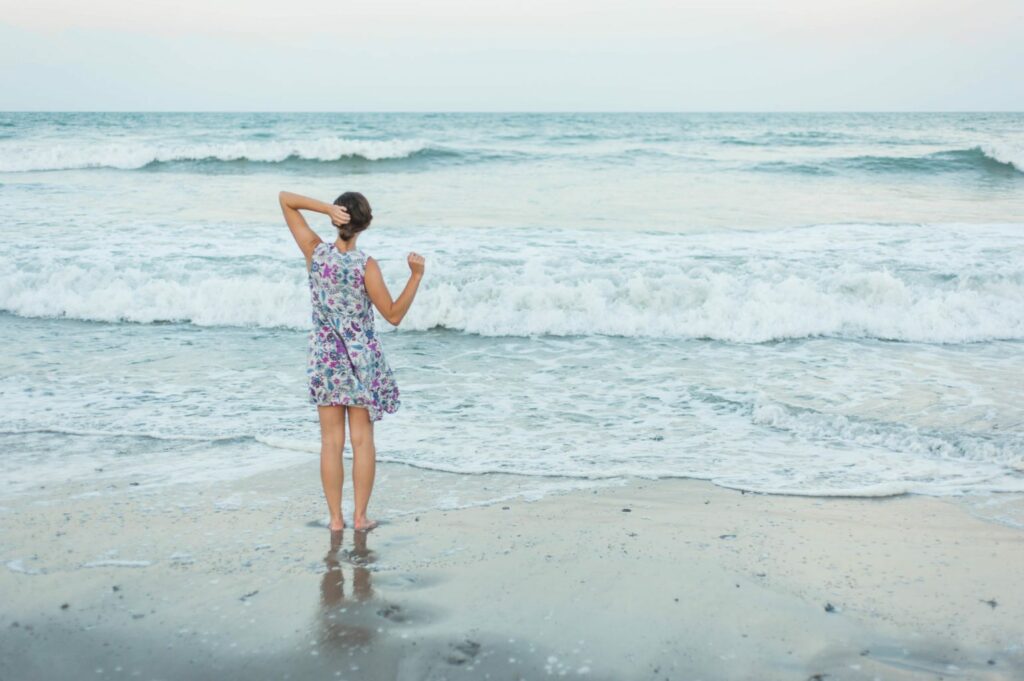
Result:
[[339, 215]]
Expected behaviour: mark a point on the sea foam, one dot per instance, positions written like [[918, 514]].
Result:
[[941, 286]]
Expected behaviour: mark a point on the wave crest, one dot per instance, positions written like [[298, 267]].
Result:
[[1004, 154], [139, 156], [985, 158], [754, 301]]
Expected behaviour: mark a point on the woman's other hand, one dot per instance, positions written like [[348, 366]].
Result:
[[416, 263]]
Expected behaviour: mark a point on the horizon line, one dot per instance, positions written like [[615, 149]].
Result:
[[516, 111]]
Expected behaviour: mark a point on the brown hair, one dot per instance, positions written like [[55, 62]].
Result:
[[359, 214]]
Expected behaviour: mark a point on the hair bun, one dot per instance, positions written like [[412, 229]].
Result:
[[359, 214]]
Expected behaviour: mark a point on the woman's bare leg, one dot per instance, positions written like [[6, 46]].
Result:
[[364, 464], [332, 446]]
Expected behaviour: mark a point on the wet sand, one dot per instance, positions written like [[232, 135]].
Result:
[[670, 579]]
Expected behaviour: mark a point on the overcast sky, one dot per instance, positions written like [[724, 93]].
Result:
[[513, 55]]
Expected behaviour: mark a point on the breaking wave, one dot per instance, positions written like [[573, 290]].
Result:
[[731, 296], [333, 150], [991, 158]]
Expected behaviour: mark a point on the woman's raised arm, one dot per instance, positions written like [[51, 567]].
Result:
[[393, 310], [305, 237]]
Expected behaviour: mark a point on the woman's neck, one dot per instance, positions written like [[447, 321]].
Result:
[[349, 245]]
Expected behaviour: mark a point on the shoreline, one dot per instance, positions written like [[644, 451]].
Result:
[[694, 581]]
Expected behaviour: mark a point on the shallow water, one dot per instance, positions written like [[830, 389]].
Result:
[[806, 304]]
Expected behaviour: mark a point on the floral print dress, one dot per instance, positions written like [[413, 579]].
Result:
[[346, 365]]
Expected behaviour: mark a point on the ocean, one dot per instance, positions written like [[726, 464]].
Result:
[[809, 304]]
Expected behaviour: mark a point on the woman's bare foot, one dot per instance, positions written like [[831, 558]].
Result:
[[336, 525], [365, 524]]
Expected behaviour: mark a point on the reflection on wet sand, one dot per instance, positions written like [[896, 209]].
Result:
[[339, 616]]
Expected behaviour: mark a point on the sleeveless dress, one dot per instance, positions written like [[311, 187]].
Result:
[[346, 365]]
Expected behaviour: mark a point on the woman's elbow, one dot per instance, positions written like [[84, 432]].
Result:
[[394, 316]]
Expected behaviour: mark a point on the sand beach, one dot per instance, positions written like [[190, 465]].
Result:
[[658, 579]]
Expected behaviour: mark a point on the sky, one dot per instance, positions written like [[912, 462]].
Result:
[[514, 55]]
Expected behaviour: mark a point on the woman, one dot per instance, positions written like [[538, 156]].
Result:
[[348, 374]]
